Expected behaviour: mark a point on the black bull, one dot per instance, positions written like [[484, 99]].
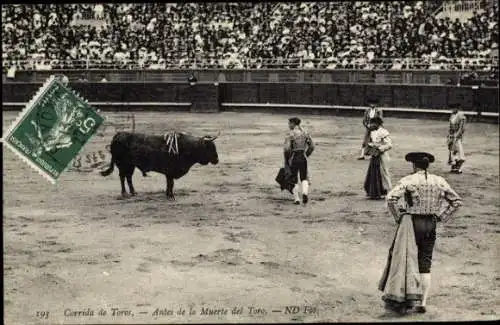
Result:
[[151, 153]]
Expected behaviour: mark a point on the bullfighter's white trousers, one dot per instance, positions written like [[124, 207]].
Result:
[[296, 188], [459, 154], [384, 171]]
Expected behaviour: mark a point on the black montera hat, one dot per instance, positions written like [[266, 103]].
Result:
[[372, 101], [419, 157], [294, 120], [454, 105], [377, 120]]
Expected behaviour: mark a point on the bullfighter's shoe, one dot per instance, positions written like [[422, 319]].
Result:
[[297, 202], [305, 199]]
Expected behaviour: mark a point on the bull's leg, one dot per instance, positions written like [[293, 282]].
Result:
[[170, 188], [122, 183], [124, 170], [129, 182]]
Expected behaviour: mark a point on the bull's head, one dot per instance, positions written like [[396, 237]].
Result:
[[209, 152]]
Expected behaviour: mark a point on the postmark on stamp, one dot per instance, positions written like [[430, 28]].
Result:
[[52, 129], [92, 159]]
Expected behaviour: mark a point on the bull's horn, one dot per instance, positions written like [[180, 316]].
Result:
[[210, 138]]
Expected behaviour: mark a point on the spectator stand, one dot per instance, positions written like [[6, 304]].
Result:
[[311, 35]]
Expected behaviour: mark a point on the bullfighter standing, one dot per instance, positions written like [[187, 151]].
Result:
[[427, 199], [456, 156], [381, 142], [298, 147], [370, 113]]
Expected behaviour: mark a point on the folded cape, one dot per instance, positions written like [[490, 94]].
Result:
[[400, 281], [284, 179]]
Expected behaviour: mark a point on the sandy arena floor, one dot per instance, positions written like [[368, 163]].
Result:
[[232, 239]]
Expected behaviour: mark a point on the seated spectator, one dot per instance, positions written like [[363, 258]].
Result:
[[98, 11]]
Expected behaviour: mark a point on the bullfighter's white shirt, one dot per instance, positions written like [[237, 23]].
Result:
[[372, 112], [382, 139]]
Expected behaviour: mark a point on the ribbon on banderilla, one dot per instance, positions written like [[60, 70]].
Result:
[[171, 142]]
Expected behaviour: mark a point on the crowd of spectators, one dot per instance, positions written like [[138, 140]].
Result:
[[330, 35]]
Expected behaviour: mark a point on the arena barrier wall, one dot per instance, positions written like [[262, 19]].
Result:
[[211, 97], [124, 96]]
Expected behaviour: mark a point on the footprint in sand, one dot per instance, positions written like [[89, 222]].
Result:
[[449, 234], [42, 264], [47, 242], [228, 256], [315, 221], [457, 227], [154, 260], [131, 225], [231, 237], [311, 275], [144, 267], [272, 265], [182, 263]]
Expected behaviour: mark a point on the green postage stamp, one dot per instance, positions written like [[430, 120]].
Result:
[[52, 129]]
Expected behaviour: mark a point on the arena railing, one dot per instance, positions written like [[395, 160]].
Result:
[[173, 73], [460, 64], [402, 77]]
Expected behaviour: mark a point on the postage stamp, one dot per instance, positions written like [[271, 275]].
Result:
[[52, 129]]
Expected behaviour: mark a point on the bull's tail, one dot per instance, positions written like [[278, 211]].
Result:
[[110, 168], [112, 149]]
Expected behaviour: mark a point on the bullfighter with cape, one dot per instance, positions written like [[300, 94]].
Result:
[[298, 147], [428, 199]]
